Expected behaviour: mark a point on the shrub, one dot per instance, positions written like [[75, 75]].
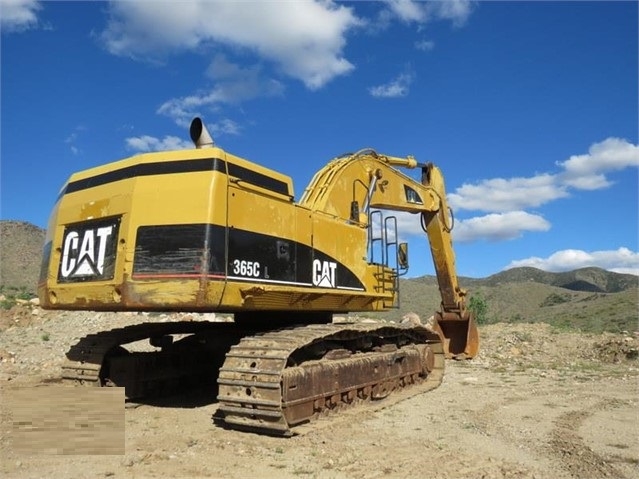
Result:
[[553, 299], [479, 307]]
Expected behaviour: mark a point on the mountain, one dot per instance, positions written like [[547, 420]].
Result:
[[595, 280], [20, 254], [591, 299]]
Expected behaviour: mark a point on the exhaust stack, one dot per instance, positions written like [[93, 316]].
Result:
[[200, 135]]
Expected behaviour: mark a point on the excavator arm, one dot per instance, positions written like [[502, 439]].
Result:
[[350, 186], [455, 320]]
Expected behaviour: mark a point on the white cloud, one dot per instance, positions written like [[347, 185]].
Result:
[[422, 12], [507, 199], [234, 84], [457, 11], [72, 139], [18, 15], [182, 110], [492, 227], [147, 143], [510, 196], [621, 260], [425, 45], [398, 87], [586, 172], [225, 127], [501, 195], [304, 38], [408, 10], [498, 227], [408, 224]]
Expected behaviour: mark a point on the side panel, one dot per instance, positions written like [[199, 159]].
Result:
[[263, 245], [96, 223], [178, 239], [275, 241], [339, 259], [86, 242]]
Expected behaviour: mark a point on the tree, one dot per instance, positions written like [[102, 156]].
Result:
[[479, 307]]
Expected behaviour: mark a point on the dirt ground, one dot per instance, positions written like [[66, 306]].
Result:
[[536, 403]]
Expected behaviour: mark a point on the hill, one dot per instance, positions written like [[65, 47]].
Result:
[[20, 254], [594, 280], [591, 299]]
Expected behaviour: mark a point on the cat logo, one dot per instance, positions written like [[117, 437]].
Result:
[[88, 251], [324, 273]]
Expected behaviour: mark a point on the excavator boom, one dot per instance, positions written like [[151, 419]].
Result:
[[377, 184]]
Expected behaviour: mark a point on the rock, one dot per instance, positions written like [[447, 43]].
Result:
[[7, 356], [411, 319]]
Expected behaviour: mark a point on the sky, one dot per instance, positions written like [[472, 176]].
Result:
[[530, 109]]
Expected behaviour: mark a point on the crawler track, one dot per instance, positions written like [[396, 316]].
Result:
[[99, 360], [269, 382], [272, 382]]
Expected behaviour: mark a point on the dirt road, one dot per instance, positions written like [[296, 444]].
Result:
[[535, 404]]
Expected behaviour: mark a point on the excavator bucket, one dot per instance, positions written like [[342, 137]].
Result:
[[461, 338]]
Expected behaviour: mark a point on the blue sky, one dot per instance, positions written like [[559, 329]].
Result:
[[529, 108]]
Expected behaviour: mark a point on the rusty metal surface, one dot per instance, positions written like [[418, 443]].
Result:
[[461, 337], [271, 382], [319, 386]]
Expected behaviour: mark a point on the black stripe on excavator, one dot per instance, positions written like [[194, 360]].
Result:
[[179, 166], [258, 179], [196, 250]]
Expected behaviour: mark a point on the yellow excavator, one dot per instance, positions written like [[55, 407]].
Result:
[[203, 230]]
